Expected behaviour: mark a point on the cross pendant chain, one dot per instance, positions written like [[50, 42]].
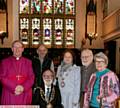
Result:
[[18, 77]]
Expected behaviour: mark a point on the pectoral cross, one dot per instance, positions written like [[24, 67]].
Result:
[[18, 77]]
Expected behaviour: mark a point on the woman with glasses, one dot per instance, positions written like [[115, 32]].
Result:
[[103, 86]]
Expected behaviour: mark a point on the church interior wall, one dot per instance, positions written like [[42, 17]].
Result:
[[13, 26]]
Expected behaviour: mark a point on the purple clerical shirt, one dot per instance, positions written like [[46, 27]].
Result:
[[16, 72]]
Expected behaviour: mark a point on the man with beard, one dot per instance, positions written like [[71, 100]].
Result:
[[49, 96], [40, 64], [86, 70]]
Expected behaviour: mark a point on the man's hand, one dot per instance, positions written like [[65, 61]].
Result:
[[19, 89]]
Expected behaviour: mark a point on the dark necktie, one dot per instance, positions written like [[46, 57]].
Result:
[[47, 94]]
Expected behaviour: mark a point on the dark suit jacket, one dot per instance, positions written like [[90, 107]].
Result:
[[56, 101], [36, 64]]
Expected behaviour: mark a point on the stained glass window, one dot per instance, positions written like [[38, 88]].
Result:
[[35, 6], [47, 32], [58, 33], [47, 6], [24, 32], [69, 34], [51, 22], [24, 6], [35, 31], [70, 7], [58, 6]]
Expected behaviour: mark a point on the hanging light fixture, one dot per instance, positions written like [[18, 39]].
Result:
[[3, 12], [91, 20]]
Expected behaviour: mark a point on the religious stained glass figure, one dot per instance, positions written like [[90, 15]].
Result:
[[47, 6], [50, 22], [35, 6], [70, 8], [58, 6], [24, 6]]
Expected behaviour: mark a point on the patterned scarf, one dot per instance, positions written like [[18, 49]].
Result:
[[65, 66]]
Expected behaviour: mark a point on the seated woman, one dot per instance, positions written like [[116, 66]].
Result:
[[103, 86], [49, 94]]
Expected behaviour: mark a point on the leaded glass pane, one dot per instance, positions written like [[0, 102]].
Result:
[[58, 6], [47, 6], [24, 26], [70, 7], [35, 6], [35, 31], [69, 34], [24, 6], [58, 34], [47, 32], [50, 22]]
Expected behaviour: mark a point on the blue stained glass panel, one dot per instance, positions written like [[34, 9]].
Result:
[[47, 31]]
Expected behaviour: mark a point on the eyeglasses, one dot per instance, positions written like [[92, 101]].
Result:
[[85, 57], [100, 61]]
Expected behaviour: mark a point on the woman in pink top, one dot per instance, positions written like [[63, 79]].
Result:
[[104, 91]]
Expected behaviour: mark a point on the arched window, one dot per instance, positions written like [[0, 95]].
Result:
[[51, 22]]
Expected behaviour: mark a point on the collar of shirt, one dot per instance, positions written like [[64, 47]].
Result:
[[46, 89]]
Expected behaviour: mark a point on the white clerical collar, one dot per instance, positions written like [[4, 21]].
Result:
[[17, 58]]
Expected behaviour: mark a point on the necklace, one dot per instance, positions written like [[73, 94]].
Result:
[[52, 95], [63, 75]]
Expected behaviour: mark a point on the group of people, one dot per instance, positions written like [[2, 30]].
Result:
[[34, 82]]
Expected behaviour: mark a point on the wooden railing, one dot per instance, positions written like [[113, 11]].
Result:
[[111, 24]]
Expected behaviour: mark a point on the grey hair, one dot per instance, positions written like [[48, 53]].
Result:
[[42, 45], [88, 51], [102, 56], [19, 41]]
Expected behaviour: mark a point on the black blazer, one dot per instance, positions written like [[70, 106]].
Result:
[[40, 100], [36, 64]]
